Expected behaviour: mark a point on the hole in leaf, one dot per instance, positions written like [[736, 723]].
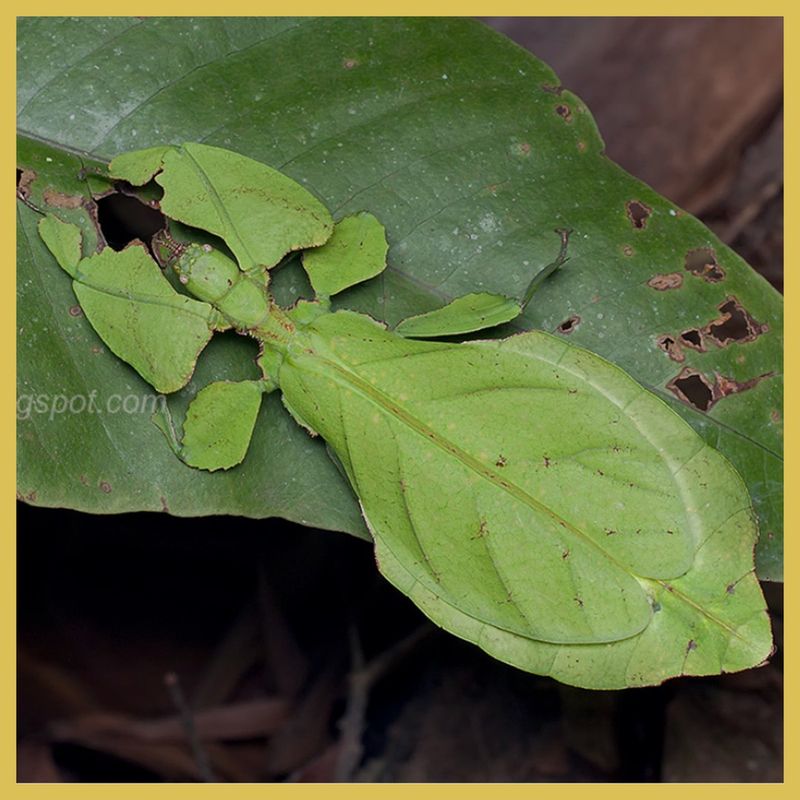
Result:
[[693, 388], [123, 218], [693, 338], [735, 324], [671, 348], [569, 324], [702, 262], [638, 213]]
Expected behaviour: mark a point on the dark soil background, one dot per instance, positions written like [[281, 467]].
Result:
[[160, 649]]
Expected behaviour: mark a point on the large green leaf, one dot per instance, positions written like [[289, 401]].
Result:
[[467, 150]]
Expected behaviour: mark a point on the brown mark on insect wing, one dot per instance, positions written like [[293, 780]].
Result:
[[105, 486], [671, 348], [546, 461], [638, 213], [663, 283], [691, 645], [501, 461], [569, 324], [565, 553], [702, 262], [694, 388], [483, 530], [578, 601], [164, 506]]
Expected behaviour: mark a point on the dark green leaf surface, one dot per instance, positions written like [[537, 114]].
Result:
[[466, 149]]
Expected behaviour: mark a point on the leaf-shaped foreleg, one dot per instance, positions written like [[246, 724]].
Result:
[[134, 309]]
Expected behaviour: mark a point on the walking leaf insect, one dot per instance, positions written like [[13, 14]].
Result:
[[527, 495]]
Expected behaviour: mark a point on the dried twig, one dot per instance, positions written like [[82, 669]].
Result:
[[182, 707]]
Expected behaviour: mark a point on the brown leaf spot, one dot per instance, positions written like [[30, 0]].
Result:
[[349, 63], [627, 250], [75, 311], [564, 112], [61, 200], [671, 348], [25, 177], [662, 283], [638, 213], [524, 148], [569, 324], [775, 416], [691, 645], [552, 89], [582, 146], [702, 262], [105, 486]]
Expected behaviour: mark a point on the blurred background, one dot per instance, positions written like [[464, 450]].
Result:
[[236, 650]]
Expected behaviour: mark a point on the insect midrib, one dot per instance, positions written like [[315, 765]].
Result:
[[222, 211], [385, 403], [151, 300]]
